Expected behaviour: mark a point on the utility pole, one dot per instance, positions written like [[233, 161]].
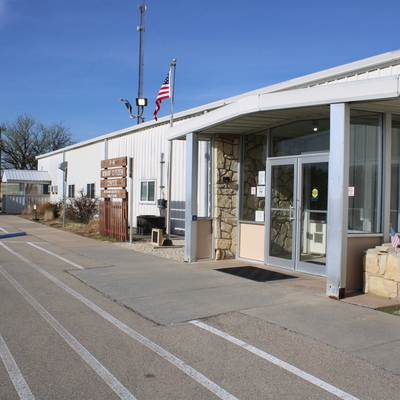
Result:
[[141, 102], [141, 29]]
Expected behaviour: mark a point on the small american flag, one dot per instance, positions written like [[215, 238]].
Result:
[[163, 93], [394, 238]]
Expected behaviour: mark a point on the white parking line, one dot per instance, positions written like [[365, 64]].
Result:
[[18, 380], [97, 367], [1, 229], [197, 376], [56, 255], [274, 360]]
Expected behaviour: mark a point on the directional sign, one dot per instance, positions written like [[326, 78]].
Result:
[[108, 183], [114, 173], [114, 162], [113, 194]]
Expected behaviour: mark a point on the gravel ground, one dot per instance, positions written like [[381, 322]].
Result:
[[175, 252]]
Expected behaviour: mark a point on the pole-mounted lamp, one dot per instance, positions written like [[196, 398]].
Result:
[[64, 168], [141, 104]]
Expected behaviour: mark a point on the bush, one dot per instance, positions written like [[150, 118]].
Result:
[[55, 208], [44, 210], [82, 208]]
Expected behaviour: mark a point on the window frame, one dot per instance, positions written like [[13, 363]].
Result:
[[90, 190], [71, 190], [147, 200]]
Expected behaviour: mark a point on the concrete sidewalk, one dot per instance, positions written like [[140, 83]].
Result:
[[168, 291]]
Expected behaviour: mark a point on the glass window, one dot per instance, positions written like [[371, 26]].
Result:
[[45, 188], [300, 137], [253, 195], [147, 190], [31, 188], [71, 191], [90, 190], [365, 172], [395, 175]]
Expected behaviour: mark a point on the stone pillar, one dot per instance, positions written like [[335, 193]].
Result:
[[226, 191]]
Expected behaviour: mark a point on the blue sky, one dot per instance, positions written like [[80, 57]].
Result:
[[71, 60]]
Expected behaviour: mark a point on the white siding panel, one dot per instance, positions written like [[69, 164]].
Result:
[[146, 147], [50, 164], [84, 166]]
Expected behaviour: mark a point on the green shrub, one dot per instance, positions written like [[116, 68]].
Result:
[[82, 208]]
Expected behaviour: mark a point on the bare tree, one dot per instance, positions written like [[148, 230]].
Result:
[[25, 138]]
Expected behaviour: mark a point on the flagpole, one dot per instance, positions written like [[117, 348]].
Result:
[[172, 85], [168, 241]]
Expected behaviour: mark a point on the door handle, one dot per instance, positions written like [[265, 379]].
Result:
[[291, 211]]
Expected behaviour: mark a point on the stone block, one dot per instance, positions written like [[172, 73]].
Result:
[[385, 247], [219, 254], [228, 149], [382, 261], [393, 267], [371, 263], [366, 282], [224, 202], [383, 287], [223, 244], [226, 227]]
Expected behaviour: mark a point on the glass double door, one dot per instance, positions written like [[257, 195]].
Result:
[[298, 209]]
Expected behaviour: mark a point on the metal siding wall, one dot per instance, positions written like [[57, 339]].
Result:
[[84, 165], [145, 147], [50, 164]]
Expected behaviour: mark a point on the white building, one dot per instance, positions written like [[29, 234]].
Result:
[[302, 175]]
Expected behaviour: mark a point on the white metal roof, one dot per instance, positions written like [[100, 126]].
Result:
[[255, 112], [31, 176], [380, 66]]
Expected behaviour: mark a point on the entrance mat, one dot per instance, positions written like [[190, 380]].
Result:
[[256, 274]]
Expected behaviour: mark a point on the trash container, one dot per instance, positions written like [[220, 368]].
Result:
[[145, 223]]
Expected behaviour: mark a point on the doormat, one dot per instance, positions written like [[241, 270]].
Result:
[[256, 274]]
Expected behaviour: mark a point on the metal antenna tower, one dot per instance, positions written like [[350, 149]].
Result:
[[141, 29]]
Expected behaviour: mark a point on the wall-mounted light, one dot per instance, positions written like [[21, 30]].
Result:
[[140, 102]]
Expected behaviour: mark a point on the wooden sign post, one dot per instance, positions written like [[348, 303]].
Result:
[[114, 215]]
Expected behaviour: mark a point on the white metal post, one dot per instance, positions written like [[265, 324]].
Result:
[[387, 174], [130, 197], [192, 151], [338, 204]]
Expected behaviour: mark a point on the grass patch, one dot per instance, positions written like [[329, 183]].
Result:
[[390, 310]]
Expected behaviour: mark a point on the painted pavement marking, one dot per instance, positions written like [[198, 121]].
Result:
[[56, 255], [274, 360], [103, 372], [188, 370], [18, 380]]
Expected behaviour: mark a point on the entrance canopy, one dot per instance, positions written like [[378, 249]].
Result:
[[256, 112], [370, 84]]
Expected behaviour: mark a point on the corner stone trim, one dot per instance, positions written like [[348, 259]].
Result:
[[382, 271]]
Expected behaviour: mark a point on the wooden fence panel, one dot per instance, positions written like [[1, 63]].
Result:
[[114, 218]]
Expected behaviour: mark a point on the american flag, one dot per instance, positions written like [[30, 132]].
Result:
[[163, 93], [394, 238]]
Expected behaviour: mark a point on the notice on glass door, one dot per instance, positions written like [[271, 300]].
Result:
[[261, 177], [259, 216], [260, 191]]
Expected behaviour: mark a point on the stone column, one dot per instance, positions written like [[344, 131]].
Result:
[[226, 191]]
